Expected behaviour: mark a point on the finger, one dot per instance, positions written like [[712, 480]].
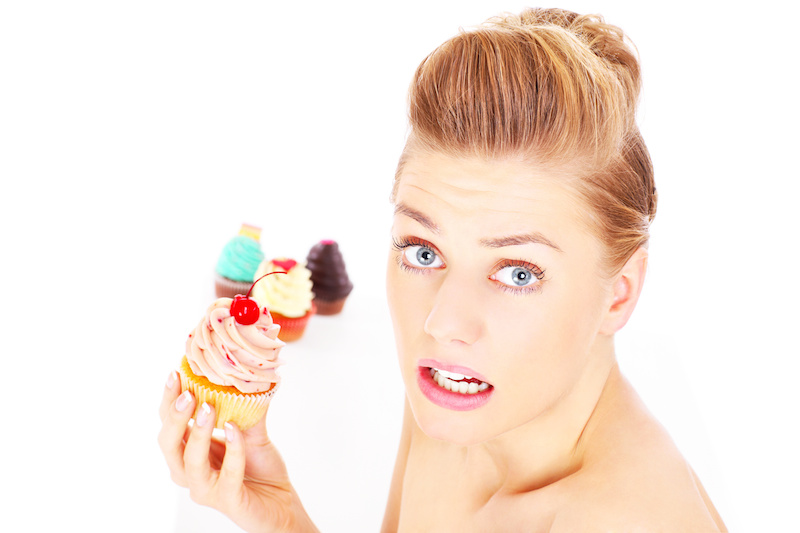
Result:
[[199, 473], [230, 482], [171, 436], [171, 392]]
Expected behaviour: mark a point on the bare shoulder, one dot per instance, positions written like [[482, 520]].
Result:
[[634, 478]]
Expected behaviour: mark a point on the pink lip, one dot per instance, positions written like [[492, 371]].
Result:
[[448, 399], [433, 363]]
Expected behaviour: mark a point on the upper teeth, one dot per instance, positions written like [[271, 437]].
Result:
[[452, 381]]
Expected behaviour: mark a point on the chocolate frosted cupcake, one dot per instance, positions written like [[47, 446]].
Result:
[[331, 283]]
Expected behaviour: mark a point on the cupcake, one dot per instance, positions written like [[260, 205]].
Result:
[[231, 360], [237, 264], [288, 296], [331, 285]]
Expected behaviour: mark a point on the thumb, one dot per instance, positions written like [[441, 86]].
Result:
[[263, 459], [257, 434]]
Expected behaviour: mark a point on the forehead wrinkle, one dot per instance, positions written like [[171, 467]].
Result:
[[528, 237], [425, 220]]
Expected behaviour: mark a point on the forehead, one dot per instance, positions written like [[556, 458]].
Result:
[[499, 195]]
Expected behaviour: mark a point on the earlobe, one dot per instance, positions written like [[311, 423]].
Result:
[[626, 290]]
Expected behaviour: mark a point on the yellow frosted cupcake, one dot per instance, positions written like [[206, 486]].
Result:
[[289, 296], [231, 361]]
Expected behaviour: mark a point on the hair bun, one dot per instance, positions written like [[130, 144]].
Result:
[[606, 41]]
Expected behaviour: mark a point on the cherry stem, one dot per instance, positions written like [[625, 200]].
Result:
[[262, 277]]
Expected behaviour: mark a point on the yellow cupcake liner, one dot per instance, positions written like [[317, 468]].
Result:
[[243, 409]]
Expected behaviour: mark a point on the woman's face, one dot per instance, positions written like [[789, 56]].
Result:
[[492, 276]]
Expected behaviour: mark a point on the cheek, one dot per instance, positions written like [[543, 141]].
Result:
[[545, 338], [405, 300], [393, 290]]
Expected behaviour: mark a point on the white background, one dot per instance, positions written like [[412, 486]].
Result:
[[135, 137]]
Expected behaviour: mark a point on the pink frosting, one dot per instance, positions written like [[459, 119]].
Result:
[[232, 354]]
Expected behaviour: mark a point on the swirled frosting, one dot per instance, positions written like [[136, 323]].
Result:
[[240, 258], [287, 294], [328, 273], [231, 354]]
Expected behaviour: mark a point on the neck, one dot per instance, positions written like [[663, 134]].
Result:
[[552, 446]]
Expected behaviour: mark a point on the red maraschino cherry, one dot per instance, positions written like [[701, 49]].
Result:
[[244, 309]]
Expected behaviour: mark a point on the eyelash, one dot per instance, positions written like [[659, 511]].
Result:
[[405, 242], [537, 272]]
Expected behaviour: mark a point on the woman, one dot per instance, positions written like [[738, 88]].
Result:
[[522, 205]]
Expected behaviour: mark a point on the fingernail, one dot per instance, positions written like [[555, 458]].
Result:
[[202, 416], [183, 401], [228, 432], [171, 379]]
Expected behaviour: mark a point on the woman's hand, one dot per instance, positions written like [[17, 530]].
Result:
[[244, 477]]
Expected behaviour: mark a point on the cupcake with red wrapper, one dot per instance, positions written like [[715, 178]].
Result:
[[231, 360], [331, 284], [289, 297], [238, 262]]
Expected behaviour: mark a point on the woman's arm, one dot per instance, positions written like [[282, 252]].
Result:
[[392, 514]]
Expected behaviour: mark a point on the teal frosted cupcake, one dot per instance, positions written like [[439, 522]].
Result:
[[238, 262]]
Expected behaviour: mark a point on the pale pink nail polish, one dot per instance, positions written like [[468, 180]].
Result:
[[171, 379], [228, 432], [202, 416], [183, 401]]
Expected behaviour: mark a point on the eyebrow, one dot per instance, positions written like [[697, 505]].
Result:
[[402, 209], [499, 242], [516, 240]]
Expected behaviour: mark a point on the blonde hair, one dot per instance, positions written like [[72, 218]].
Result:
[[556, 88]]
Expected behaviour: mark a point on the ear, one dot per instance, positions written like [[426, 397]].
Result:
[[627, 286]]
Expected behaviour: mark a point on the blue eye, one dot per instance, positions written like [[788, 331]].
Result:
[[425, 256], [517, 276], [420, 256]]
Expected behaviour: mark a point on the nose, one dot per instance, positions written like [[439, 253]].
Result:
[[456, 315]]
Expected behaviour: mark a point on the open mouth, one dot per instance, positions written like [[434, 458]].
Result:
[[459, 383], [451, 389]]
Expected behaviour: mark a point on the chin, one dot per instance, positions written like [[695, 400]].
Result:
[[446, 431], [463, 428]]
